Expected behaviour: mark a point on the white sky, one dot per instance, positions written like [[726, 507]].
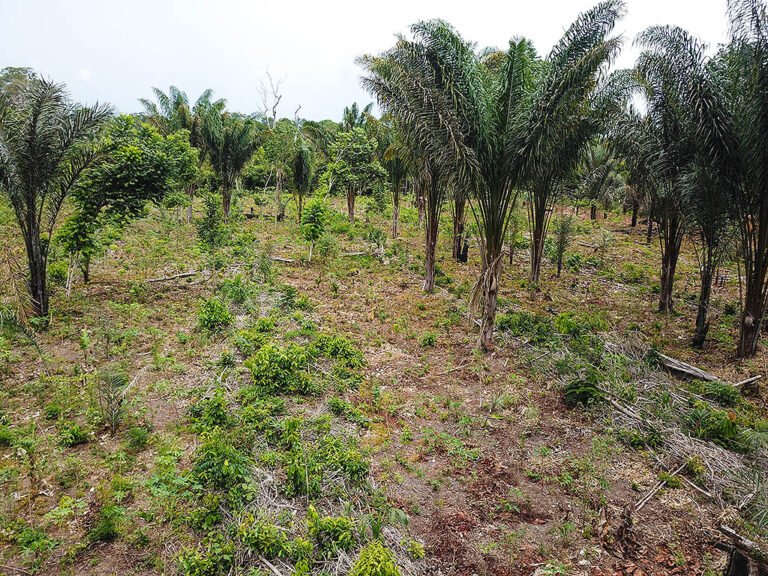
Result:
[[115, 50]]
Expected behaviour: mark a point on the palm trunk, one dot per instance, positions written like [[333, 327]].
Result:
[[755, 301], [538, 218], [395, 213], [651, 216], [593, 212], [490, 282], [671, 232], [459, 220], [226, 200], [635, 210], [37, 258], [351, 204], [300, 202], [430, 248]]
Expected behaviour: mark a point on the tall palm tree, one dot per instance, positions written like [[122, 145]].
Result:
[[570, 107], [45, 147], [492, 121], [742, 71], [171, 112], [230, 142]]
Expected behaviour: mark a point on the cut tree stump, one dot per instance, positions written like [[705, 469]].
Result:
[[746, 557]]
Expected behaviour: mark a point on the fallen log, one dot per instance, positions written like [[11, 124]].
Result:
[[354, 253], [687, 370], [174, 277], [279, 259]]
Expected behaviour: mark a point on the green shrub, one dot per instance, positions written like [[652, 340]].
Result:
[[138, 437], [219, 465], [583, 390], [213, 315], [332, 533], [428, 339], [207, 514], [214, 559], [6, 436], [238, 290], [375, 560], [212, 411], [537, 327], [71, 434], [264, 538], [107, 523], [338, 348], [672, 481], [281, 371]]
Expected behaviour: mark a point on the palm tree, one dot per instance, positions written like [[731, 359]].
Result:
[[599, 178], [569, 109], [230, 141], [302, 174], [45, 147], [742, 71], [172, 113], [491, 121]]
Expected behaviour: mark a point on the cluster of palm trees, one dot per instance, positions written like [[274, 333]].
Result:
[[500, 125], [493, 123], [699, 153]]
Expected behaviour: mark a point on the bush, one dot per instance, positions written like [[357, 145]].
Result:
[[71, 434], [214, 559], [106, 528], [375, 560], [219, 465], [262, 537], [213, 315], [281, 371], [538, 328], [332, 533], [584, 391], [428, 339], [338, 348], [138, 438], [212, 412]]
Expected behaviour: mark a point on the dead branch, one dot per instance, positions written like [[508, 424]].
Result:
[[182, 275]]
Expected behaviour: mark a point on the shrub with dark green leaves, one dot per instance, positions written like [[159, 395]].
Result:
[[584, 390], [338, 348], [264, 538], [71, 434], [106, 528], [281, 370], [214, 558], [218, 464], [213, 315], [211, 411], [538, 328]]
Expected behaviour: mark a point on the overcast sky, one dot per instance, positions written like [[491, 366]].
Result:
[[116, 50]]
